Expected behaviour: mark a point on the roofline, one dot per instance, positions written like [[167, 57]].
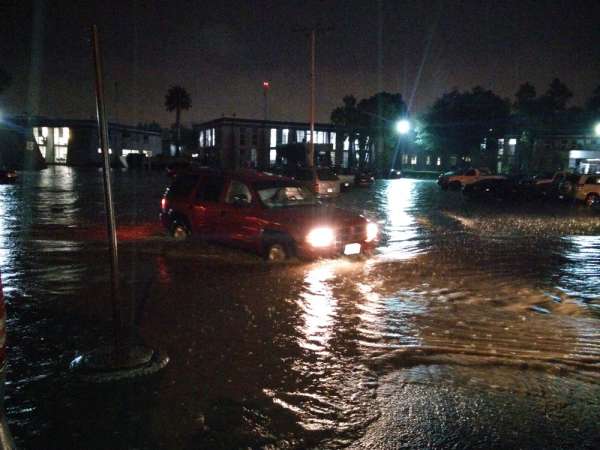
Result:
[[38, 121], [262, 123]]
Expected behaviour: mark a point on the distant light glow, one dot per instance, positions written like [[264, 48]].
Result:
[[266, 84], [402, 126], [597, 129]]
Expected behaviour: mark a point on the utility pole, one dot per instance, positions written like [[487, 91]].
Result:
[[312, 33], [266, 86]]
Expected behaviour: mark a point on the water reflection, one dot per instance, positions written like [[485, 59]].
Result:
[[318, 304], [401, 226], [579, 276]]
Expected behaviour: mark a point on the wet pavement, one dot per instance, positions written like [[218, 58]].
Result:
[[473, 326]]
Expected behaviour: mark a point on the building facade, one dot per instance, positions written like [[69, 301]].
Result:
[[76, 142], [548, 153]]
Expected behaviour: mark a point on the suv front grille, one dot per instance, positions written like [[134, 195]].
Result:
[[354, 233]]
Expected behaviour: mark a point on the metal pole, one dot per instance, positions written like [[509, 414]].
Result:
[[311, 145], [108, 198]]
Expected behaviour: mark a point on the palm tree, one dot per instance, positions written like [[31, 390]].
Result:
[[177, 98]]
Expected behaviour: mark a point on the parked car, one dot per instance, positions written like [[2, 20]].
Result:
[[274, 216], [8, 176], [587, 189], [458, 179], [492, 189], [346, 177], [321, 180], [364, 178], [547, 185], [566, 186]]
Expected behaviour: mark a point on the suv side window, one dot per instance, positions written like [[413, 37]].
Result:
[[210, 190], [237, 188], [183, 185]]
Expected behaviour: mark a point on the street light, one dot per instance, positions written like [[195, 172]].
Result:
[[403, 126], [597, 129]]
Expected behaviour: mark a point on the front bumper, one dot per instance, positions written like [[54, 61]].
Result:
[[306, 251]]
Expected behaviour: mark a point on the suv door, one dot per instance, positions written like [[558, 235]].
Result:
[[206, 208], [239, 215]]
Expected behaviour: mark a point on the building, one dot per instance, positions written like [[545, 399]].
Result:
[[233, 142], [76, 143], [548, 153]]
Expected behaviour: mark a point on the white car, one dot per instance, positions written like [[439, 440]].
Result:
[[587, 189], [458, 180]]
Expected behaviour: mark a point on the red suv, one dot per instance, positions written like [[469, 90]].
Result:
[[274, 216]]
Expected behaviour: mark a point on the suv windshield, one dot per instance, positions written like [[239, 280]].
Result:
[[326, 175], [277, 195]]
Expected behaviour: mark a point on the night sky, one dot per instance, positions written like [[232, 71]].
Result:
[[221, 51]]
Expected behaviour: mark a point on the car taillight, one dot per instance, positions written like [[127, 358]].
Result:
[[163, 203]]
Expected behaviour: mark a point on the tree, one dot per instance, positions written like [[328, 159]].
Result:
[[525, 102], [378, 115], [556, 97], [5, 80], [177, 98], [458, 122], [348, 118]]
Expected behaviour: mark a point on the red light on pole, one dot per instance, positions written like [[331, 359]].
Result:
[[266, 84]]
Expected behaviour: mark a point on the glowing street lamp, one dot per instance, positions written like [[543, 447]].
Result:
[[403, 126]]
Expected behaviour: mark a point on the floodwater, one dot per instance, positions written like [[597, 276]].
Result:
[[473, 326]]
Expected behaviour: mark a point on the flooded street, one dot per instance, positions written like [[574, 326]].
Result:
[[472, 326]]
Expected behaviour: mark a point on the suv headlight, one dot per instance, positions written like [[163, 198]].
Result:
[[321, 237], [372, 230]]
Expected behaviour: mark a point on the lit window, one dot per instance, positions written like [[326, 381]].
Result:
[[347, 144], [413, 159], [404, 158], [273, 156], [356, 145], [439, 161], [273, 137], [201, 139], [300, 136], [512, 141], [428, 160], [45, 132], [332, 139], [285, 137]]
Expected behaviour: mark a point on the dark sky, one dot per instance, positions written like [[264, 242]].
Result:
[[221, 51]]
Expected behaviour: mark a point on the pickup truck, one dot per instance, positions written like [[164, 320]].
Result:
[[459, 179]]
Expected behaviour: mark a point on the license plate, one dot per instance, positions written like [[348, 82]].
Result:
[[329, 190], [351, 249]]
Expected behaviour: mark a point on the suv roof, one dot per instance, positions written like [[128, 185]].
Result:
[[245, 175]]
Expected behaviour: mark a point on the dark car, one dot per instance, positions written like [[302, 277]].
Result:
[[492, 189], [274, 216], [364, 178], [8, 176]]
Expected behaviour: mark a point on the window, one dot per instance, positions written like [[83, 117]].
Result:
[[301, 136], [285, 136], [347, 144], [512, 141], [273, 139], [428, 160], [439, 161], [211, 189], [242, 136], [201, 138], [404, 158], [332, 139], [254, 136], [413, 159], [236, 190]]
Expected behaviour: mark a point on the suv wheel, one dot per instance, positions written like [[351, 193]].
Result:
[[591, 199], [276, 253], [180, 232]]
